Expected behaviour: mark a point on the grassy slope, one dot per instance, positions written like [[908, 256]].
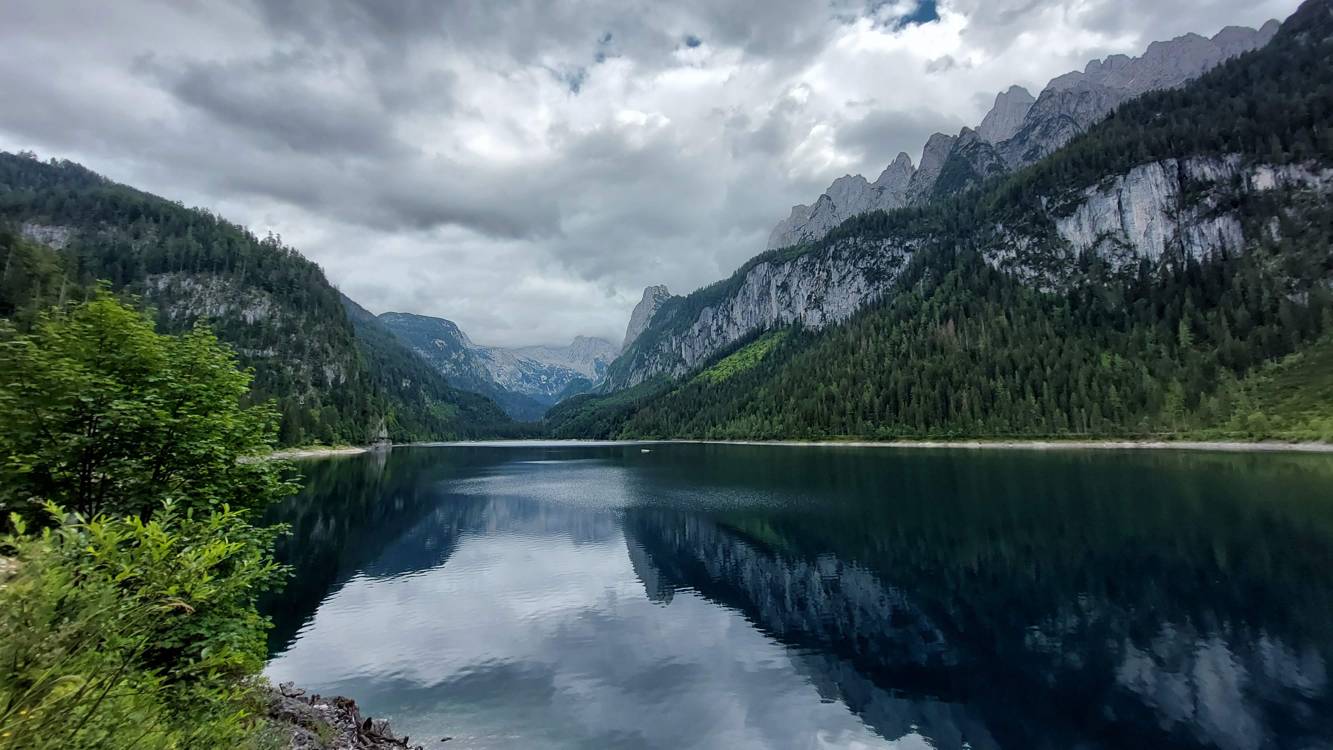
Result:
[[743, 360], [1289, 400]]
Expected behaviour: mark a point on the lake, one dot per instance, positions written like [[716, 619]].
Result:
[[728, 596]]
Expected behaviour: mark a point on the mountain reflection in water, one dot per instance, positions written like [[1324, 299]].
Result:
[[770, 596]]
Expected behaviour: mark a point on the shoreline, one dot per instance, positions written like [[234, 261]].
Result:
[[288, 453], [1217, 446], [1222, 446]]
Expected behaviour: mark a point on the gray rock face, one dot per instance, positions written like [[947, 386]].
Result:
[[846, 197], [1124, 218], [444, 345], [546, 373], [815, 289], [53, 236], [1073, 102], [1143, 212], [1006, 116], [1167, 64], [971, 159], [1019, 130], [653, 297], [192, 296], [933, 156], [1055, 119]]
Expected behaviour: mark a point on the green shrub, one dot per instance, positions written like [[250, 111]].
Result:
[[123, 633], [132, 572], [104, 415]]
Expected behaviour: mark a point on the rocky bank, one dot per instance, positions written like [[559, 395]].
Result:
[[334, 723]]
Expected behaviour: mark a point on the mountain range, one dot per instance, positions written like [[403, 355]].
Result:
[[827, 287], [1149, 237], [524, 381], [339, 373], [1018, 130]]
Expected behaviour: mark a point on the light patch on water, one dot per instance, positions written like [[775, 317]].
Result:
[[558, 643]]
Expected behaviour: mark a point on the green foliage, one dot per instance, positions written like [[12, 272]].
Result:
[[122, 633], [1287, 400], [133, 622], [104, 415], [746, 358], [32, 277], [601, 417]]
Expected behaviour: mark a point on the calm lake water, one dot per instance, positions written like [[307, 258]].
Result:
[[552, 596]]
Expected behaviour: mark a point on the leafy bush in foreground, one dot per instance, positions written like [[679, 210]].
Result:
[[130, 578]]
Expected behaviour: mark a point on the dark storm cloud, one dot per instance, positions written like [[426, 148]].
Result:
[[529, 30], [289, 101]]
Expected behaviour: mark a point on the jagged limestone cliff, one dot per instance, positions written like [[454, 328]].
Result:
[[652, 300], [1187, 204], [1019, 130]]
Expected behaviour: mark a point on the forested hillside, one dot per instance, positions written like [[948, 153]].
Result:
[[999, 325], [64, 229]]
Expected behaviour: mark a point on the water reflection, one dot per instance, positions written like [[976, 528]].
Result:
[[717, 596]]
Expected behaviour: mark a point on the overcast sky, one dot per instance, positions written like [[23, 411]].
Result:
[[526, 168]]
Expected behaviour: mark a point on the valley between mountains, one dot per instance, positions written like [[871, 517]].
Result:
[[1144, 248]]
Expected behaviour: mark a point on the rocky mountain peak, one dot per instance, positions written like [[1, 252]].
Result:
[[524, 381], [848, 196], [847, 188], [652, 299], [1006, 116], [933, 156], [1166, 64], [897, 175], [585, 355], [1019, 129], [444, 331]]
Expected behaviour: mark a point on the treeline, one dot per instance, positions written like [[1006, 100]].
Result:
[[272, 305]]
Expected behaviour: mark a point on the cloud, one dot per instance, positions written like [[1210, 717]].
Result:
[[526, 168], [881, 133]]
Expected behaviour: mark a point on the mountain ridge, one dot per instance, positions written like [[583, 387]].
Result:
[[1159, 257], [1019, 129], [525, 380]]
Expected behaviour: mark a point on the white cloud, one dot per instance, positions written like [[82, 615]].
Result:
[[439, 158]]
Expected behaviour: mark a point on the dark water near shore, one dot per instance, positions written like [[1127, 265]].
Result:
[[804, 597]]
